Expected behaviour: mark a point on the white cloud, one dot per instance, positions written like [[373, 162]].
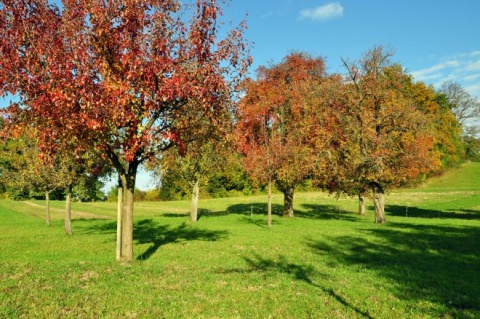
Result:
[[433, 71], [323, 13], [473, 66], [462, 68]]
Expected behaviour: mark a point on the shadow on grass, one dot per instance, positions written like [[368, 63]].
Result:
[[404, 211], [299, 272], [147, 231], [254, 209], [310, 211], [325, 212], [429, 263]]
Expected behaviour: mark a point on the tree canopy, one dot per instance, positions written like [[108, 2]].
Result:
[[116, 75]]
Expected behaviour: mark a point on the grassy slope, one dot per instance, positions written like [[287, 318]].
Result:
[[326, 263]]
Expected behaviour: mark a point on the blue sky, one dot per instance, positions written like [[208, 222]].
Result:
[[434, 40]]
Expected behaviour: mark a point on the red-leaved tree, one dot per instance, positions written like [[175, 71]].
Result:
[[284, 122], [116, 75]]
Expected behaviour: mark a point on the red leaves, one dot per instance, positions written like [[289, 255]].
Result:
[[278, 128], [95, 72]]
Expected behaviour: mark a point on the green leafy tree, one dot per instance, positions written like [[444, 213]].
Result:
[[26, 171]]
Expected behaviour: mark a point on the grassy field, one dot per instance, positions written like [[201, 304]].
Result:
[[325, 263]]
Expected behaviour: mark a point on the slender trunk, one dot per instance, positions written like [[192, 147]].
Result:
[[288, 202], [269, 213], [128, 181], [194, 206], [47, 208], [379, 202], [361, 204], [119, 219], [68, 212]]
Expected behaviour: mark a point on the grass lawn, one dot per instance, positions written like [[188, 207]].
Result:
[[327, 262]]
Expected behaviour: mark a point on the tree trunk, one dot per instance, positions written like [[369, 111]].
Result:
[[288, 202], [68, 211], [194, 206], [47, 208], [379, 201], [361, 205], [128, 181], [119, 219], [269, 213]]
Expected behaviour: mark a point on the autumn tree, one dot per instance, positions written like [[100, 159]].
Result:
[[386, 141], [447, 131], [283, 122], [116, 76]]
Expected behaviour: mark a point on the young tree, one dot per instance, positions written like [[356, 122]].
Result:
[[24, 170], [116, 76], [283, 122], [187, 170]]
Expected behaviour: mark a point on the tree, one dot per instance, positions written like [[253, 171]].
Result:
[[465, 107], [385, 140], [24, 170], [283, 122], [446, 129], [116, 76], [467, 111], [191, 168]]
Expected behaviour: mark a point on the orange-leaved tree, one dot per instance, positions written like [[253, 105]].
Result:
[[283, 122], [116, 76], [385, 139]]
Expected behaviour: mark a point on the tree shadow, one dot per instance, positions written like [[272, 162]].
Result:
[[415, 212], [299, 272], [255, 220], [325, 212], [254, 209], [201, 212], [436, 264], [148, 231]]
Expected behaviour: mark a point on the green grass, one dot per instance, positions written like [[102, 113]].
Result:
[[325, 263]]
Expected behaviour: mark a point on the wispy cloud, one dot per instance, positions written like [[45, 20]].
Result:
[[323, 13], [462, 68]]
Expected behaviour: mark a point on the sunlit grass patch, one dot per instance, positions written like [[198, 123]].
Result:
[[327, 262]]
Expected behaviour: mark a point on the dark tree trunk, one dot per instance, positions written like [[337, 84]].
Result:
[[379, 202], [269, 212], [47, 208], [68, 211], [361, 205], [194, 205], [288, 202]]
